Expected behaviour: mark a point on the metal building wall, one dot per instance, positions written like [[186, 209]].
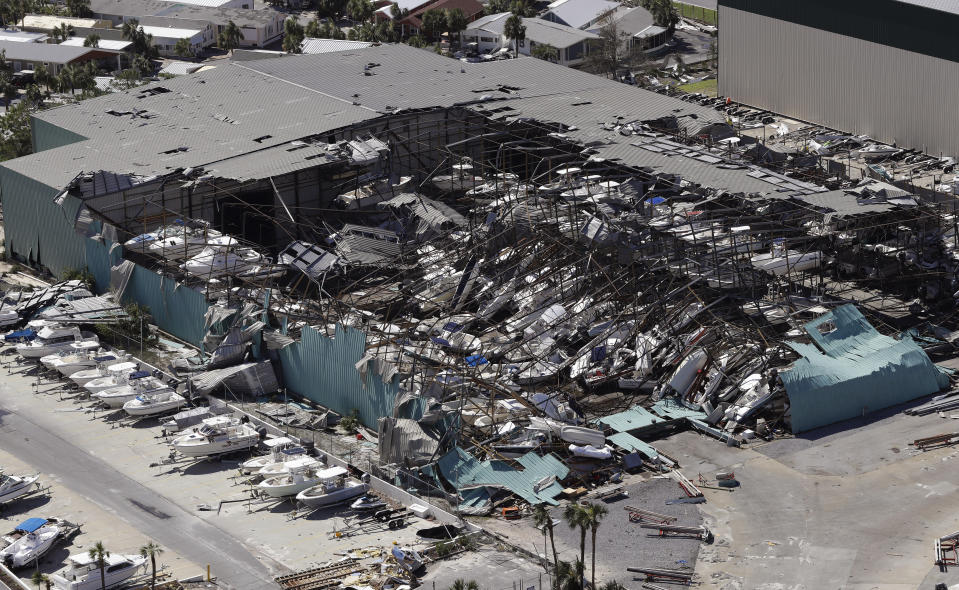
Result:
[[324, 370], [890, 94]]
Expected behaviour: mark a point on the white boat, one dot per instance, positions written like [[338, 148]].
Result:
[[686, 373], [407, 558], [287, 465], [52, 339], [215, 436], [183, 242], [151, 404], [591, 452], [14, 486], [281, 449], [581, 435], [781, 261], [367, 503], [78, 356], [113, 376], [141, 383], [334, 487], [83, 572], [8, 317], [31, 540], [290, 484], [218, 260]]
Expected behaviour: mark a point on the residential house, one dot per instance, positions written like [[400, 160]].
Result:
[[579, 14], [572, 45], [638, 27], [27, 56], [259, 27], [412, 24]]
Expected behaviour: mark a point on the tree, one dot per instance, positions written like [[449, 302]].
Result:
[[593, 515], [612, 585], [62, 32], [545, 52], [522, 8], [434, 23], [79, 8], [292, 35], [456, 23], [152, 550], [15, 140], [41, 74], [230, 36], [416, 41], [664, 13], [330, 8], [99, 554], [569, 576], [312, 29], [360, 11], [543, 519], [13, 11], [38, 578], [461, 584], [575, 517], [613, 50], [498, 6], [92, 40], [515, 30], [182, 48], [329, 30], [33, 96]]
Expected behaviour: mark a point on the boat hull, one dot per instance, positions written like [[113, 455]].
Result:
[[351, 490]]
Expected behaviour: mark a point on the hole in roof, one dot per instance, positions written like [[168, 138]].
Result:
[[154, 90], [176, 150], [826, 327], [261, 138]]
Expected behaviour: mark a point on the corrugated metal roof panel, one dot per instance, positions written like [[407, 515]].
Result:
[[536, 483], [314, 46]]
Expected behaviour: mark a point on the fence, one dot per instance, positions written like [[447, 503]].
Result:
[[697, 13]]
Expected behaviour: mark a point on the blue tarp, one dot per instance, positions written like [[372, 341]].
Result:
[[476, 360], [139, 375], [31, 524], [28, 334], [852, 370]]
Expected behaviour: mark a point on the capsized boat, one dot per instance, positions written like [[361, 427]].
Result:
[[83, 572], [14, 486], [216, 436], [151, 404], [334, 487], [32, 539]]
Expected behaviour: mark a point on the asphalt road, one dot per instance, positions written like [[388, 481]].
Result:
[[25, 436]]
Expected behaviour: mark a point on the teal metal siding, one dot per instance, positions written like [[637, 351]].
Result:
[[46, 136], [324, 370], [38, 229], [854, 371]]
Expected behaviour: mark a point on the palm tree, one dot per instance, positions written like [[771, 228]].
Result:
[[79, 8], [62, 33], [545, 52], [575, 516], [456, 22], [100, 554], [593, 515], [292, 35], [434, 22], [38, 578], [182, 48], [515, 30], [42, 75], [151, 550], [464, 585], [612, 585], [92, 40], [569, 576], [360, 10], [312, 29], [230, 36], [542, 518]]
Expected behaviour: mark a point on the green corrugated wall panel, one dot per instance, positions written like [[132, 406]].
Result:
[[100, 261], [861, 371], [324, 370], [38, 229], [175, 308], [46, 136]]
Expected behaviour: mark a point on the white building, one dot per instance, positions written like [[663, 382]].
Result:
[[579, 14], [572, 45], [166, 38]]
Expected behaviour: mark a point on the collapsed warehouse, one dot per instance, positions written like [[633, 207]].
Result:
[[536, 272]]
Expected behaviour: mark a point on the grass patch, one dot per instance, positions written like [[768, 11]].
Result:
[[697, 13], [707, 87]]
